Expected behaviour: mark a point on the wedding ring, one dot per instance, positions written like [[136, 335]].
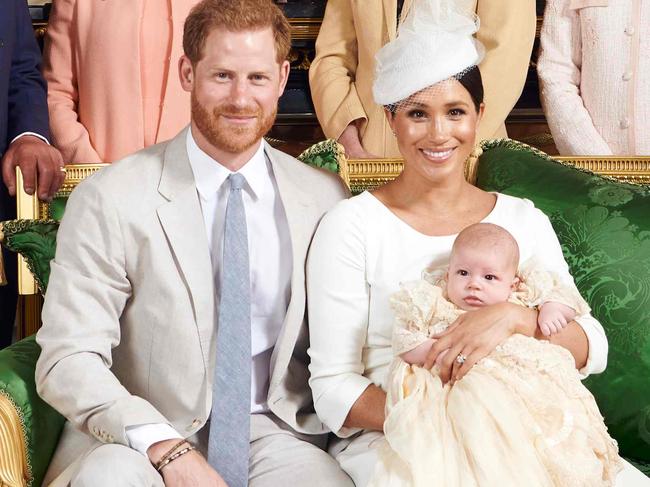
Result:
[[460, 359]]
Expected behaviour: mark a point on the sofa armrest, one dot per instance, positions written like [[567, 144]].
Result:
[[29, 427]]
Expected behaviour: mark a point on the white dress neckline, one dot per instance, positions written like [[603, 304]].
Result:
[[409, 228]]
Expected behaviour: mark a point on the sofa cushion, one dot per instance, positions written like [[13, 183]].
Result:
[[40, 423], [35, 240], [604, 228]]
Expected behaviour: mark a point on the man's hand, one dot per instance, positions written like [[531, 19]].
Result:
[[33, 156], [350, 140], [188, 469], [554, 317]]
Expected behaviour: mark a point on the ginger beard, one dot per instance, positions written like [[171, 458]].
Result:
[[229, 137]]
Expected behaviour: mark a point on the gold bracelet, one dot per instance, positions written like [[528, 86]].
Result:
[[173, 457], [169, 452]]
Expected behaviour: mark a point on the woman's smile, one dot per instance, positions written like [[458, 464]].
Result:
[[438, 155]]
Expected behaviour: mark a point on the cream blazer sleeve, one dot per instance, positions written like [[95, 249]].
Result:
[[558, 68], [87, 293], [332, 73], [59, 70], [507, 31]]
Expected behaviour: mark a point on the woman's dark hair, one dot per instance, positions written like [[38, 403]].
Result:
[[472, 82]]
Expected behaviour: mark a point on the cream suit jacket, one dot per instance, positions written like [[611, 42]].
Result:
[[128, 334], [353, 31]]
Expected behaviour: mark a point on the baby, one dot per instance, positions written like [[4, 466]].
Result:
[[520, 416], [483, 271]]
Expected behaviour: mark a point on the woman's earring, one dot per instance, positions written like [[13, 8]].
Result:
[[471, 164]]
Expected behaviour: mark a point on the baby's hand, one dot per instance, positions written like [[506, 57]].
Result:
[[553, 317]]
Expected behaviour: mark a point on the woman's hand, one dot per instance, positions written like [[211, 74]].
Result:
[[475, 334]]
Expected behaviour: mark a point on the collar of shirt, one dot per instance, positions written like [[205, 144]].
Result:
[[210, 174]]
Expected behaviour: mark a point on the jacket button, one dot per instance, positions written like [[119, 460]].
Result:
[[624, 123], [627, 76], [629, 30]]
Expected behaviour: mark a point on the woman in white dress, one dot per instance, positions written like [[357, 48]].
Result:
[[365, 246]]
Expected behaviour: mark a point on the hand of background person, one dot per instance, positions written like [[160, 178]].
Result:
[[474, 335], [188, 469], [37, 160], [554, 317], [350, 140]]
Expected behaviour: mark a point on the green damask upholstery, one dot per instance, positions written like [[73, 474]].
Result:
[[35, 240], [40, 423], [604, 228], [327, 154]]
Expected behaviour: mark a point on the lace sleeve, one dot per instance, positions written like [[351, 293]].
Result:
[[418, 307], [538, 286]]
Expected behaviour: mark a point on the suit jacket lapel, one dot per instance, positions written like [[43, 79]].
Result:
[[182, 222], [298, 207]]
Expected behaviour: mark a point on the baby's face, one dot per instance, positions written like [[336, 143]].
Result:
[[479, 277]]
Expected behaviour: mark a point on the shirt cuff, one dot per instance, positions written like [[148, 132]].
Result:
[[598, 347], [339, 402], [29, 133], [141, 437]]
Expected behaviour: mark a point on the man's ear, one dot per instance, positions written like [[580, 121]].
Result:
[[285, 68], [186, 73]]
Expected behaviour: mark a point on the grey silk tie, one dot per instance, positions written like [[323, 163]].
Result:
[[228, 446]]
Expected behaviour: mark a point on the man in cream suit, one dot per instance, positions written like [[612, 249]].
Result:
[[354, 30], [139, 297]]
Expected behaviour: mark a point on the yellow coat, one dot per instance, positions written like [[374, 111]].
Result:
[[353, 31]]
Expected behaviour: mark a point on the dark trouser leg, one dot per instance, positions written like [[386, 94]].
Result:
[[8, 293]]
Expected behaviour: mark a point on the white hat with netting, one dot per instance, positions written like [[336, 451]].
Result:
[[435, 42]]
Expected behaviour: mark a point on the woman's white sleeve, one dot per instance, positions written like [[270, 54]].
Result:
[[549, 253], [338, 304]]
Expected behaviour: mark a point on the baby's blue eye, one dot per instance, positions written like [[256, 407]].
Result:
[[490, 277], [462, 272]]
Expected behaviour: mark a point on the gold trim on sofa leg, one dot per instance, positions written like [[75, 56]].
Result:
[[3, 277], [14, 471]]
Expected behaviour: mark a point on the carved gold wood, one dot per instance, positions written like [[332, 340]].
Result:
[[304, 29], [362, 174], [14, 469], [29, 207]]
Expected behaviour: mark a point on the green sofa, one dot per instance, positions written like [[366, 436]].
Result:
[[602, 222]]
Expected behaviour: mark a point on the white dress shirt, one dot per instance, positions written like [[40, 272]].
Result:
[[270, 257]]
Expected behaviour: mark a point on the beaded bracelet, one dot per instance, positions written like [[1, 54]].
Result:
[[173, 457], [169, 452]]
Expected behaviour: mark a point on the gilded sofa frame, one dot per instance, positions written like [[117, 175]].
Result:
[[29, 207], [362, 174], [359, 175]]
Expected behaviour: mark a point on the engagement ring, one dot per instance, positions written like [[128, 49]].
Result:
[[460, 359]]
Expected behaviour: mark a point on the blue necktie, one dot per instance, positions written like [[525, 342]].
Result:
[[228, 446]]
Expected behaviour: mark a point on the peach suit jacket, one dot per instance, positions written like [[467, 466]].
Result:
[[353, 31], [92, 67], [128, 334]]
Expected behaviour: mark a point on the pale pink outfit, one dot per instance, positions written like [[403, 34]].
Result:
[[111, 68], [594, 72], [155, 46]]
